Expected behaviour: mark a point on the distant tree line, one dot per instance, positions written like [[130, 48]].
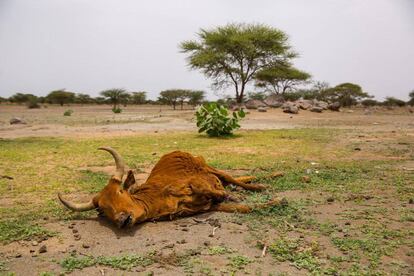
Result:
[[114, 97]]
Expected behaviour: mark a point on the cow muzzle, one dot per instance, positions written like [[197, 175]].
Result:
[[124, 220]]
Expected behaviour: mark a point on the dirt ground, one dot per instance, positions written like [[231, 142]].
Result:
[[99, 121], [187, 245]]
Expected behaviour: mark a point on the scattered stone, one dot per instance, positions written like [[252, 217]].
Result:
[[357, 148], [183, 225], [70, 226], [274, 101], [77, 237], [18, 255], [411, 201], [316, 109], [304, 104], [17, 120], [185, 229], [171, 245], [254, 104], [84, 245], [306, 179], [183, 241], [207, 243], [262, 109], [35, 243], [330, 199], [32, 250], [290, 107], [43, 249], [74, 231], [334, 106], [154, 153]]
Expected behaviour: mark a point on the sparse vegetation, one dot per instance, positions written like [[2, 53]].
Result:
[[68, 112], [122, 262]]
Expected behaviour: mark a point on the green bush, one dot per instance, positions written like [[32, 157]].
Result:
[[32, 103], [68, 112], [214, 119], [116, 110]]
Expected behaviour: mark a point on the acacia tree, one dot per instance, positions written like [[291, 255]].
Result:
[[195, 97], [61, 97], [138, 97], [280, 79], [170, 97], [115, 96], [347, 94], [233, 54]]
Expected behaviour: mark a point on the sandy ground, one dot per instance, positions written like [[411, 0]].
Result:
[[168, 239], [90, 121]]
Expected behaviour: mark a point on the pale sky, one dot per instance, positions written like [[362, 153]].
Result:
[[87, 46]]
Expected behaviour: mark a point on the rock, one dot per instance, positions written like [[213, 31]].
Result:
[[185, 229], [74, 231], [84, 245], [330, 199], [183, 241], [411, 201], [262, 109], [290, 107], [357, 149], [17, 120], [316, 109], [43, 249], [207, 243], [304, 104], [18, 255], [35, 243], [254, 104], [306, 179], [321, 104], [334, 106], [171, 245], [274, 101]]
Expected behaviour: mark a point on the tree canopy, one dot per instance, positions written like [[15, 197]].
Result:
[[22, 98], [61, 97], [115, 96], [179, 96], [347, 94], [233, 54], [280, 79], [138, 97]]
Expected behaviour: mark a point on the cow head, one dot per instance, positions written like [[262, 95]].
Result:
[[114, 201]]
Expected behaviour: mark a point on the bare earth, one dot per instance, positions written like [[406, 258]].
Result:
[[99, 237], [98, 121]]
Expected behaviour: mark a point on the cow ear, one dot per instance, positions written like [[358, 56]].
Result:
[[130, 180]]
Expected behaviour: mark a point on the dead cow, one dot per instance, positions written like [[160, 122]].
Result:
[[180, 184]]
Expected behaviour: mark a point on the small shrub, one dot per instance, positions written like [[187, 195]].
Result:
[[32, 104], [214, 119], [391, 101], [116, 110], [68, 112], [370, 102]]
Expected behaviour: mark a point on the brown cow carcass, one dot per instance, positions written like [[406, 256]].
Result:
[[180, 184]]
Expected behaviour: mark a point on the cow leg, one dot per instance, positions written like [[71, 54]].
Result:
[[241, 181], [231, 208]]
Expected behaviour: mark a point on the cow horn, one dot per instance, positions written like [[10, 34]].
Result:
[[120, 165], [79, 207]]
